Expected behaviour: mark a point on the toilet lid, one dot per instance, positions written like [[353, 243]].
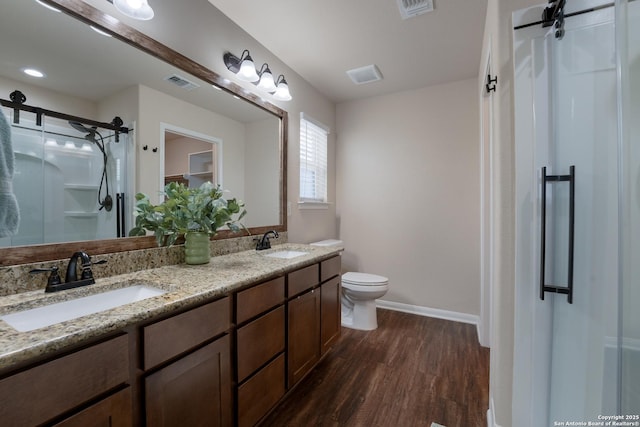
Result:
[[364, 279]]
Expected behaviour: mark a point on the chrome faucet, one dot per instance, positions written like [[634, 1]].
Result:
[[263, 242]]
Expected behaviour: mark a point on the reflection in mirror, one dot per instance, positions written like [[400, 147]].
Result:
[[68, 185], [97, 77]]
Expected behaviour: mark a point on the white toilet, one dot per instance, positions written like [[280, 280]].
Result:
[[359, 294]]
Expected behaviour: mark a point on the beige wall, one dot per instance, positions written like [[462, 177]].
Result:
[[156, 108], [176, 154], [262, 173], [48, 99], [408, 205]]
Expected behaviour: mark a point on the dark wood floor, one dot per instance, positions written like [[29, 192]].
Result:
[[411, 371]]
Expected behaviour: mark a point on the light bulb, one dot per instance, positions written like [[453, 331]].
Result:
[[247, 71], [136, 9], [266, 81], [282, 91]]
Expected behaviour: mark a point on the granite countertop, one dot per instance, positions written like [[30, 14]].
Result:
[[186, 285]]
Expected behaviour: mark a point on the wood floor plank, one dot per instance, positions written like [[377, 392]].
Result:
[[411, 371]]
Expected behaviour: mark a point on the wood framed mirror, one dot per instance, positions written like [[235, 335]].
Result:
[[132, 39]]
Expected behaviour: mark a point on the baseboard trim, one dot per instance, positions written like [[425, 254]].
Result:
[[491, 419], [429, 312]]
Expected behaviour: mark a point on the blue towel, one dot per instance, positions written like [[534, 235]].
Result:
[[9, 212]]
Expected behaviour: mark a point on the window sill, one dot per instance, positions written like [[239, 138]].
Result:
[[313, 205]]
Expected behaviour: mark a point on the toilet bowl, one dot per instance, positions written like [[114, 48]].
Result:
[[359, 294]]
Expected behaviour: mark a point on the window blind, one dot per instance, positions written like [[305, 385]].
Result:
[[313, 160]]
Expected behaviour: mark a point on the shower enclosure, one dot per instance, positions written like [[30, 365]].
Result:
[[69, 184], [577, 331]]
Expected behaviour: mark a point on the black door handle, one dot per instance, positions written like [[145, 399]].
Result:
[[571, 178]]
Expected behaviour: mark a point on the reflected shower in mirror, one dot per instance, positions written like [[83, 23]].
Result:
[[68, 181]]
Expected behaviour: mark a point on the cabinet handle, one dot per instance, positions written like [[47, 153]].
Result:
[[571, 178]]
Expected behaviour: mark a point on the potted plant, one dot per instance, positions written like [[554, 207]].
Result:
[[196, 213]]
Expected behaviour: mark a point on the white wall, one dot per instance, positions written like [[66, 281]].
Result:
[[408, 204], [498, 39]]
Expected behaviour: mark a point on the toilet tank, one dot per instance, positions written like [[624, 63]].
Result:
[[328, 242]]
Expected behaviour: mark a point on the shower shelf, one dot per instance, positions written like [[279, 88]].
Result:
[[80, 214], [81, 187]]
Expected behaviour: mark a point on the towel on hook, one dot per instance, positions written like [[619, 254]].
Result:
[[9, 212]]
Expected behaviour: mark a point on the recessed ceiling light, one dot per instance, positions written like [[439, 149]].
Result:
[[99, 31], [41, 3], [33, 72]]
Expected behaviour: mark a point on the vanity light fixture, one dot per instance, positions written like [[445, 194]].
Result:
[[266, 82], [245, 70], [282, 90], [243, 67], [136, 9]]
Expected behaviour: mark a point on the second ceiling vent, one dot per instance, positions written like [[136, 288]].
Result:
[[367, 74], [411, 8]]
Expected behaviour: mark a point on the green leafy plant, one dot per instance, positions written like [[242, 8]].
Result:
[[184, 210]]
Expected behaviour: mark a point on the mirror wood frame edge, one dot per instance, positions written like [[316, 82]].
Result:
[[88, 14]]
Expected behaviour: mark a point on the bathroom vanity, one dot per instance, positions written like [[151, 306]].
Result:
[[222, 346]]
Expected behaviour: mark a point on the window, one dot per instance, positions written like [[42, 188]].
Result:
[[313, 160]]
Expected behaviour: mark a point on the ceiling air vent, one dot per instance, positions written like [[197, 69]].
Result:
[[411, 8], [181, 82], [367, 74]]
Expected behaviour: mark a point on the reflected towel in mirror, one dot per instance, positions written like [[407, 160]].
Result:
[[9, 212]]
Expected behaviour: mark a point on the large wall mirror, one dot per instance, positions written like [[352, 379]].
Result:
[[185, 123]]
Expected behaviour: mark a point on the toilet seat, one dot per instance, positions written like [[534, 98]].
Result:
[[364, 279]]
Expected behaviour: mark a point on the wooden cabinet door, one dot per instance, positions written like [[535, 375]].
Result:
[[193, 391], [303, 350], [113, 411], [330, 314]]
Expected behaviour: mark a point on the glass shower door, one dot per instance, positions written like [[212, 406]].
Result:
[[30, 166], [628, 20], [581, 236]]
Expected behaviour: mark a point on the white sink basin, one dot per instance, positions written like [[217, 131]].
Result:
[[286, 254], [36, 318]]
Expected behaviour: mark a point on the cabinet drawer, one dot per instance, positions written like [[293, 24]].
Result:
[[260, 298], [303, 279], [259, 341], [329, 268], [36, 395], [113, 411], [260, 393], [170, 337]]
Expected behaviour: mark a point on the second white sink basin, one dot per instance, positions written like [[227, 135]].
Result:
[[286, 254], [36, 318]]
